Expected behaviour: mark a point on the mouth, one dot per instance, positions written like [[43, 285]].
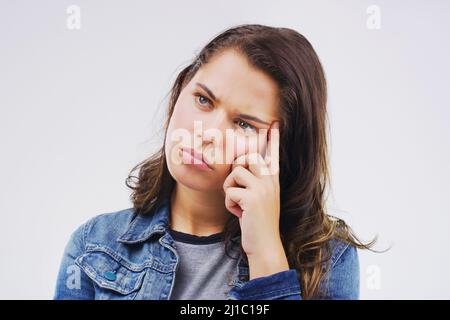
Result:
[[200, 159]]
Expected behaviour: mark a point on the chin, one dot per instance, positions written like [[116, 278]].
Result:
[[194, 178]]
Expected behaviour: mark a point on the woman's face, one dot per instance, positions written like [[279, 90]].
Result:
[[222, 113]]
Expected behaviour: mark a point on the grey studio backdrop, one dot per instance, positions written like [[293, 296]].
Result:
[[83, 89]]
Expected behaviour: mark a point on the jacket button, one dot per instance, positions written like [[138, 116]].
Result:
[[110, 275]]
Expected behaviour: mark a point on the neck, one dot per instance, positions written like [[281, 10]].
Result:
[[197, 212]]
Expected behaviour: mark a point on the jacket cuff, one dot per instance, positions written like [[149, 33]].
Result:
[[283, 285]]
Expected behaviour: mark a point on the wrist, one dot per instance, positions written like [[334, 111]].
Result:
[[267, 262]]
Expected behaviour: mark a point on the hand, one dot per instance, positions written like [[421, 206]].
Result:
[[252, 193]]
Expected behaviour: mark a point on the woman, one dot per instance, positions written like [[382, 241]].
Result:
[[232, 205]]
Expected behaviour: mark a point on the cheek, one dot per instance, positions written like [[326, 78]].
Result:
[[249, 144], [178, 133], [241, 146], [182, 117], [187, 116]]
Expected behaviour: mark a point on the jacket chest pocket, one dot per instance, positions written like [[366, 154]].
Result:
[[115, 278]]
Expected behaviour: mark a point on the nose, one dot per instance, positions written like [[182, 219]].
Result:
[[213, 135], [214, 128]]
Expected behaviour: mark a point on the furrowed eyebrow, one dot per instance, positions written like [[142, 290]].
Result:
[[243, 116], [252, 118], [210, 93]]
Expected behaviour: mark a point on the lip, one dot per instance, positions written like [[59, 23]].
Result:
[[196, 155]]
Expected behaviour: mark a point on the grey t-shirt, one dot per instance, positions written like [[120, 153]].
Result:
[[204, 271]]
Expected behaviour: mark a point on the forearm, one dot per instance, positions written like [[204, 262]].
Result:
[[272, 260]]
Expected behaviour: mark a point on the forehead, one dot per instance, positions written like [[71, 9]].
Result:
[[239, 86]]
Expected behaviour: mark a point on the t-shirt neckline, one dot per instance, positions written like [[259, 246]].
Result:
[[194, 239]]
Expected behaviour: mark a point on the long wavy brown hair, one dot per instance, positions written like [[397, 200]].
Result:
[[305, 227]]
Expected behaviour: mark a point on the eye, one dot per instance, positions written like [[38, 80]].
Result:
[[201, 99], [246, 125], [204, 101]]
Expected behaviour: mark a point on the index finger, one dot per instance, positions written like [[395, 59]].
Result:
[[273, 145]]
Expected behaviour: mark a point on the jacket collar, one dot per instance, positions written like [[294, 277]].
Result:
[[142, 227]]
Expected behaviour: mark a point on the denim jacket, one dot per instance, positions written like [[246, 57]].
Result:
[[124, 255]]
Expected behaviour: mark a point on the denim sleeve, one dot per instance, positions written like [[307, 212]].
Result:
[[72, 282], [283, 285], [342, 282]]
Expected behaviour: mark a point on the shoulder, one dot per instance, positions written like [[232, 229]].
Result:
[[112, 222], [103, 228], [341, 281], [342, 252]]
